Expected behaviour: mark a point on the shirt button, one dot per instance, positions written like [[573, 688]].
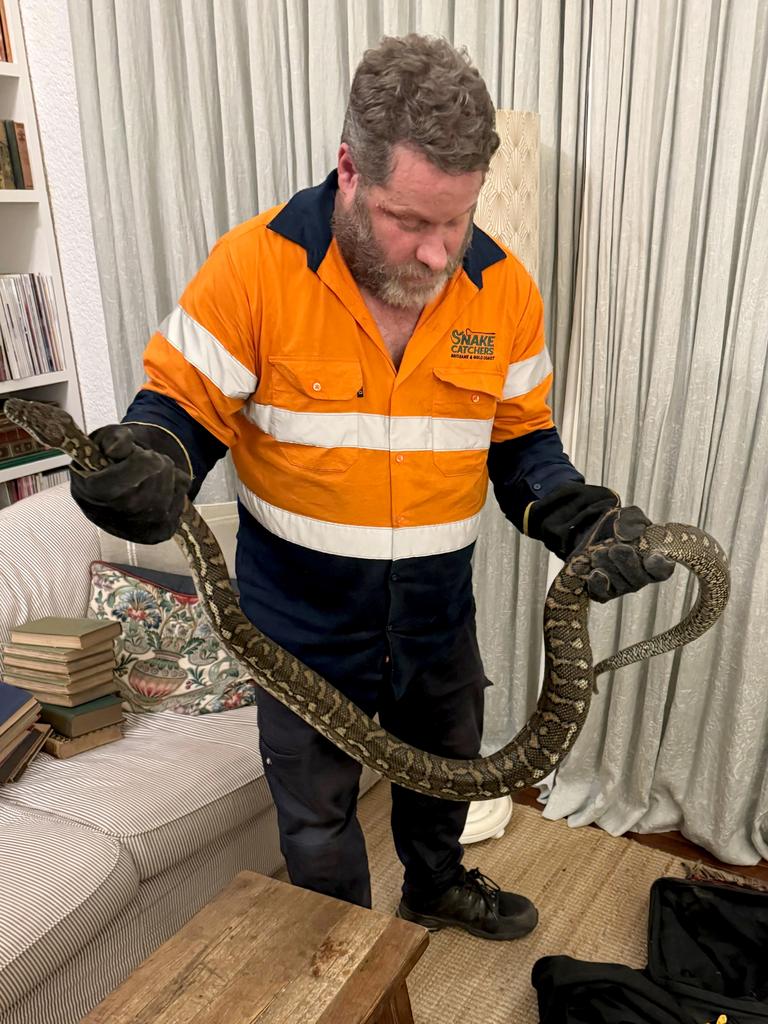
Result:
[[402, 520], [394, 577], [537, 487], [399, 458], [386, 659], [317, 386], [475, 398]]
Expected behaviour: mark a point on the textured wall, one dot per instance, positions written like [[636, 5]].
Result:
[[46, 32]]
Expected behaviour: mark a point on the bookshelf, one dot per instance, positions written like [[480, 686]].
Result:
[[28, 245], [14, 196]]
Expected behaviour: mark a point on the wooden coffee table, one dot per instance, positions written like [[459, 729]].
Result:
[[265, 952]]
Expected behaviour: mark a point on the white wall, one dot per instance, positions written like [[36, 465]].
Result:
[[49, 51]]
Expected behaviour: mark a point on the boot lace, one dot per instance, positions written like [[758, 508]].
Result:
[[476, 881]]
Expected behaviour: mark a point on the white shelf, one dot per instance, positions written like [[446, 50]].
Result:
[[28, 244], [23, 383], [37, 466], [19, 195]]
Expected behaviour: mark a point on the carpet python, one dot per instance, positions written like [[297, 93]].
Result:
[[569, 676]]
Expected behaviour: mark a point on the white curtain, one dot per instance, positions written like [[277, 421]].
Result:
[[666, 377], [654, 271]]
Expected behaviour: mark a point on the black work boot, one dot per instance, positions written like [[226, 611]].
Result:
[[477, 905]]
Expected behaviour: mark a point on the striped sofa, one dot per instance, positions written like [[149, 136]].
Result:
[[106, 855]]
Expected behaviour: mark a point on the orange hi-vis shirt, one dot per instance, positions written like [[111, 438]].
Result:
[[274, 352], [360, 484]]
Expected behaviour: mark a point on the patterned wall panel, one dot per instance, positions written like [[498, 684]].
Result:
[[509, 202]]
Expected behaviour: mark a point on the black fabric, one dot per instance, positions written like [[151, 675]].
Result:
[[315, 785], [174, 581], [712, 938], [563, 519], [361, 618], [576, 992], [139, 497], [707, 956], [524, 469]]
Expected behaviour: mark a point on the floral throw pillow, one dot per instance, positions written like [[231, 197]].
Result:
[[167, 657]]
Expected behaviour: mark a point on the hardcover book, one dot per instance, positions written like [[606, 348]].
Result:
[[26, 166], [93, 674], [14, 703], [62, 698], [93, 714], [13, 149], [63, 747], [53, 631], [63, 669], [5, 32], [15, 755], [10, 738], [6, 167], [70, 657], [55, 685], [14, 765]]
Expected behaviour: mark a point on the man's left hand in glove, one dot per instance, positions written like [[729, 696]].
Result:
[[573, 518]]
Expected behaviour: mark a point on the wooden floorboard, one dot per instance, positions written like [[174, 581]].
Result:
[[668, 842]]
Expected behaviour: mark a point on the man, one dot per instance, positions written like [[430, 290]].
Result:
[[368, 357]]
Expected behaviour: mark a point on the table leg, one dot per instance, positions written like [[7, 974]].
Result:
[[397, 1009]]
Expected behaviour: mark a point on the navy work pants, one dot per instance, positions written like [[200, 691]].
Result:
[[315, 788]]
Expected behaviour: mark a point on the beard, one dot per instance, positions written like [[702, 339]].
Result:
[[405, 285]]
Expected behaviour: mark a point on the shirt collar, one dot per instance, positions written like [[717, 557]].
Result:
[[306, 220]]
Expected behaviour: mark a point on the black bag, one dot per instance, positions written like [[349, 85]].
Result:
[[707, 956]]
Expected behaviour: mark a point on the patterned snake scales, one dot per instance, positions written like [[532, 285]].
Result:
[[569, 673]]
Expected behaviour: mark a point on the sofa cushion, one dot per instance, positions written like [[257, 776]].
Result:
[[167, 655], [169, 787], [221, 517], [61, 883]]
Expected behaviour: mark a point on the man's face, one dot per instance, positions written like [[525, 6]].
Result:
[[404, 240]]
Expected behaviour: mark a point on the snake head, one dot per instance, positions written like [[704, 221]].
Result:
[[38, 419]]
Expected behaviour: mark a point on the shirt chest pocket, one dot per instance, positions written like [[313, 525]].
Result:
[[313, 413], [463, 408]]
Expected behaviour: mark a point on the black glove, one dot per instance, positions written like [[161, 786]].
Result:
[[141, 496], [573, 518]]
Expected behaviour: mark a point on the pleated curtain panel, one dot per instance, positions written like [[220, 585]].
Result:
[[652, 127]]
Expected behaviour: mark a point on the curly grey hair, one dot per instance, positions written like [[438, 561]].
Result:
[[423, 92]]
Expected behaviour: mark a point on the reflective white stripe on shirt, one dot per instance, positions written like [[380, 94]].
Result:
[[360, 541], [370, 430], [206, 353], [524, 376]]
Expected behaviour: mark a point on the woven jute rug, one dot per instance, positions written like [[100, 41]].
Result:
[[591, 890]]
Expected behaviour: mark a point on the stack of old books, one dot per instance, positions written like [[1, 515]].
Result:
[[68, 665], [21, 733]]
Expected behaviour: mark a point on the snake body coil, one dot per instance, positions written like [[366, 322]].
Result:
[[569, 672]]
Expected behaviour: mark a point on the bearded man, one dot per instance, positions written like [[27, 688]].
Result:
[[369, 358]]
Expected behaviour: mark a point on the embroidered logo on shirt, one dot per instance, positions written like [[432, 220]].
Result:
[[468, 344]]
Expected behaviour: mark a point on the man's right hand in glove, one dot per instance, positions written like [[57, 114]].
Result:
[[141, 496]]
